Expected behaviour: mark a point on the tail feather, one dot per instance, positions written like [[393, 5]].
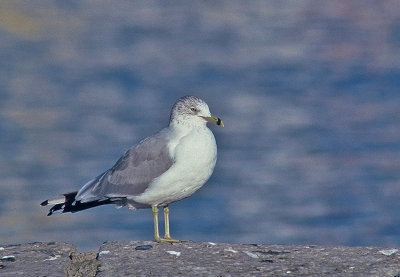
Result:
[[66, 203], [56, 200]]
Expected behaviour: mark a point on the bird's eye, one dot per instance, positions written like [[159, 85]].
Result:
[[193, 109]]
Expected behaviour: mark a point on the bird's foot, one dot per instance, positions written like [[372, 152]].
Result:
[[167, 240]]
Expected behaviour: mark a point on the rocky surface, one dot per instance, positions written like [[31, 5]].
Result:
[[35, 259], [145, 258]]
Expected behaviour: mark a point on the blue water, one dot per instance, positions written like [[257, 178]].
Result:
[[308, 91]]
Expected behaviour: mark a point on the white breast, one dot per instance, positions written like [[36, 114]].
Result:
[[195, 155]]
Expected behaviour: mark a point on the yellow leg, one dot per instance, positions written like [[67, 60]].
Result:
[[155, 220], [167, 235]]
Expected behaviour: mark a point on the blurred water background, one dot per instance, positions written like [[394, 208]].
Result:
[[308, 90]]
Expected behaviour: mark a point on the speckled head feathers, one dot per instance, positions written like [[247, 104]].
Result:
[[189, 108]]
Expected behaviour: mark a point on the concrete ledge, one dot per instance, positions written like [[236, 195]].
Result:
[[145, 258]]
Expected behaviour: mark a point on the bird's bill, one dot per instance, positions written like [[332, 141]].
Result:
[[214, 119]]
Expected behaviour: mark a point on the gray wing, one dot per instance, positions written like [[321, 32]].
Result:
[[132, 173]]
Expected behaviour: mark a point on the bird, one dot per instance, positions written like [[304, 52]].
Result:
[[161, 169]]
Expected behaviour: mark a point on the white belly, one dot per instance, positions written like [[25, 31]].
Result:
[[195, 156]]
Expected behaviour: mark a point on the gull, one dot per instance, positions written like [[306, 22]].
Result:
[[161, 169]]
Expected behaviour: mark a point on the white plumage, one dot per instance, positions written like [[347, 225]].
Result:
[[195, 153]]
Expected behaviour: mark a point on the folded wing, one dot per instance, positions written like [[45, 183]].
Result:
[[132, 173]]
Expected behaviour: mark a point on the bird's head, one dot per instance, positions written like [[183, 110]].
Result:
[[193, 110]]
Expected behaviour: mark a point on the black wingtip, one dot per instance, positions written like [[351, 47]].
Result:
[[44, 203]]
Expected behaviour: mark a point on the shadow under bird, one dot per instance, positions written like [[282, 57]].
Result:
[[164, 168]]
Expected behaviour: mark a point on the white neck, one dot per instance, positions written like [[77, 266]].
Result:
[[183, 123]]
